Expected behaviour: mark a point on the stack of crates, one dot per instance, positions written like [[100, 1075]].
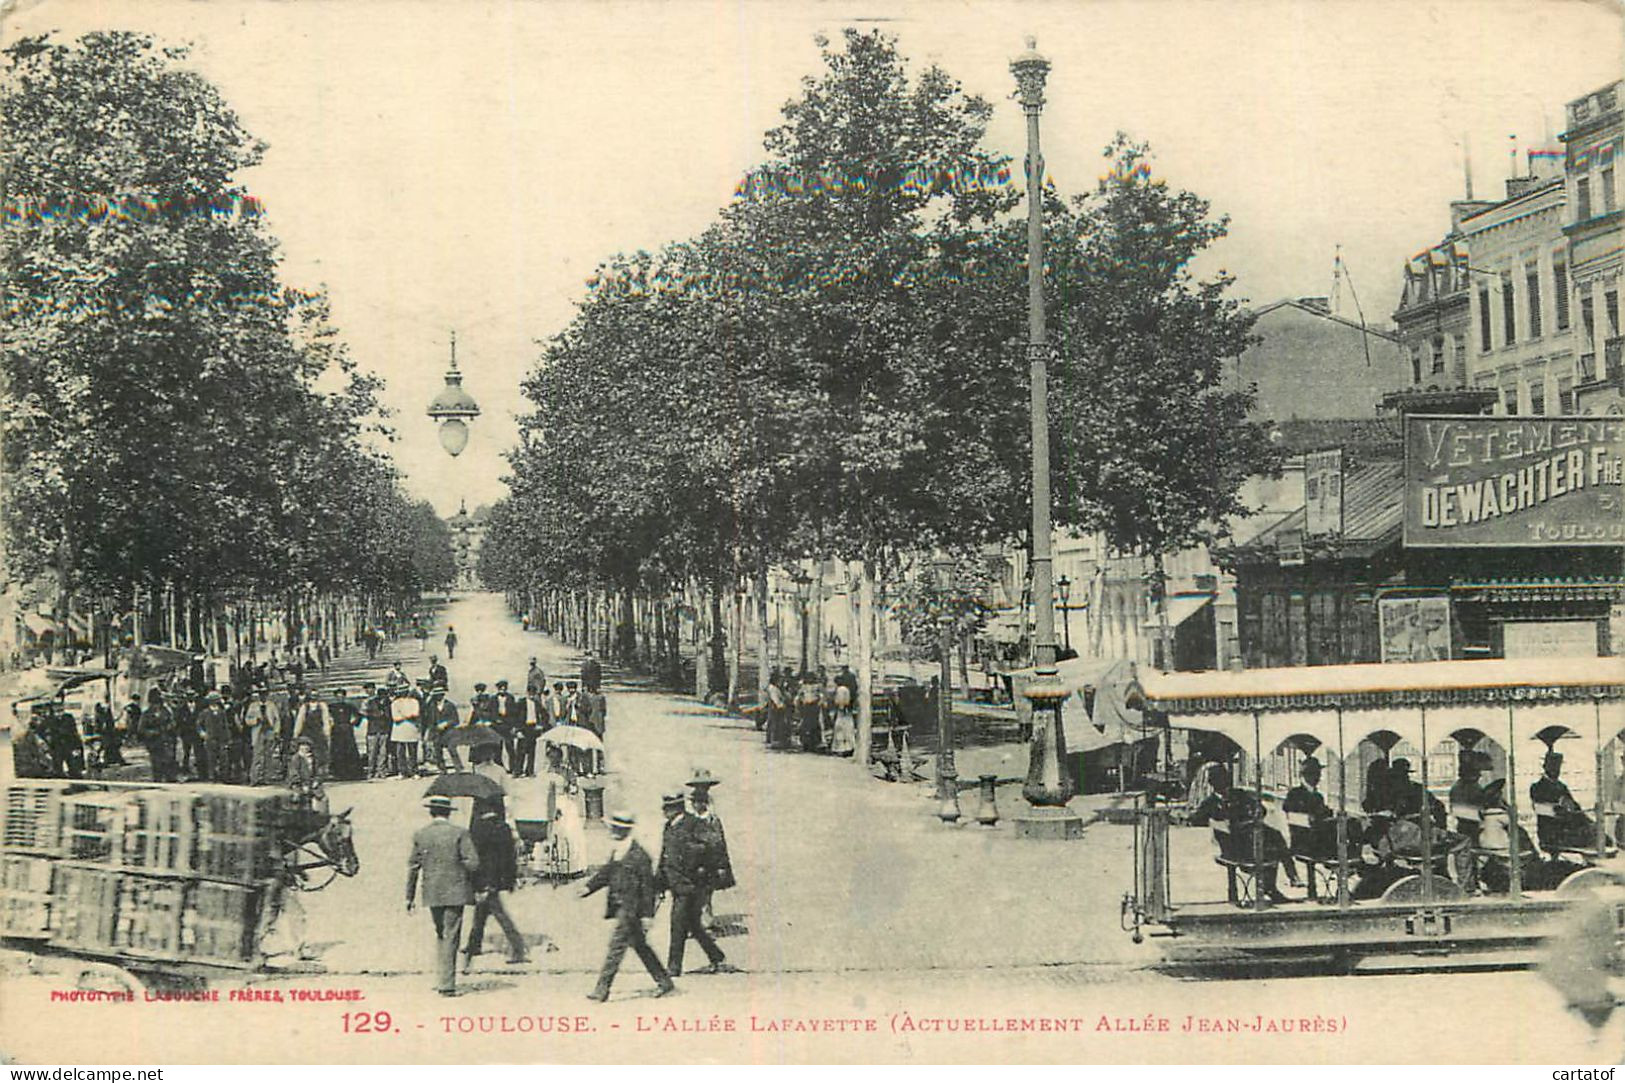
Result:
[[84, 907], [25, 896], [180, 872], [31, 839], [238, 832], [33, 822], [221, 922]]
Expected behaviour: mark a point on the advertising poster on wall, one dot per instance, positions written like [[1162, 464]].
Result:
[[1415, 629]]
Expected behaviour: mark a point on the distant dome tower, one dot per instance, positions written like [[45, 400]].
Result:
[[454, 408]]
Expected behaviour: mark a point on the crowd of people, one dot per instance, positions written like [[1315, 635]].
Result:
[[1384, 842], [813, 713]]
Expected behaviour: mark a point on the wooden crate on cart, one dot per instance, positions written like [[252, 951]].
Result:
[[25, 896], [160, 831], [84, 906], [32, 818], [93, 827], [221, 922], [238, 833]]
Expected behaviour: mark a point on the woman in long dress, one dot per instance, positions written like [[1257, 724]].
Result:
[[844, 739], [565, 851], [810, 704]]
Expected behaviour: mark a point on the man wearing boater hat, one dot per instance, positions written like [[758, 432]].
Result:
[[443, 854], [720, 872], [629, 876]]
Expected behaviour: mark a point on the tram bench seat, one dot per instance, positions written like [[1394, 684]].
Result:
[[1300, 847], [1241, 869]]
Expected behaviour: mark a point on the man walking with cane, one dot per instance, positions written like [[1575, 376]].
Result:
[[629, 876], [444, 855]]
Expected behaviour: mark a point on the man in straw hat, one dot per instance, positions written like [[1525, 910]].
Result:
[[443, 855], [629, 876], [719, 866]]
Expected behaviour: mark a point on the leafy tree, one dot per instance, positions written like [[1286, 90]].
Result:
[[1153, 448]]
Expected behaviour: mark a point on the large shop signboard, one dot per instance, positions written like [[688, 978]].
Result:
[[1507, 481]]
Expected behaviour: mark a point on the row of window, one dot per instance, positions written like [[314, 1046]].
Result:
[[1533, 312], [1607, 198]]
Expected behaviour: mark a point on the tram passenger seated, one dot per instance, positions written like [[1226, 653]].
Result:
[[1467, 805], [1560, 823], [1310, 820], [1250, 836], [1376, 797], [1403, 836], [1494, 869]]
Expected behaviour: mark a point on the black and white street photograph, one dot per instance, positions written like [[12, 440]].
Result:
[[793, 532]]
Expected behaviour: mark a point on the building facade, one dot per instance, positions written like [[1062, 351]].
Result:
[[1593, 228]]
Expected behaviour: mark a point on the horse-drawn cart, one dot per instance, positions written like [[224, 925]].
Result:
[[169, 882]]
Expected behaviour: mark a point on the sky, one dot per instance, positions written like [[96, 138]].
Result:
[[464, 166]]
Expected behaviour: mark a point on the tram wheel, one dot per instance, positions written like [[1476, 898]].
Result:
[[1584, 881], [1408, 889]]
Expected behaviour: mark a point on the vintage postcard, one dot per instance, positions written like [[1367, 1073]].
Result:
[[808, 532]]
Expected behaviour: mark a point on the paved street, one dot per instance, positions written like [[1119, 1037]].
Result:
[[854, 902]]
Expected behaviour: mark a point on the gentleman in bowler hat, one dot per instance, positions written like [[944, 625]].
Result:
[[443, 855], [629, 876]]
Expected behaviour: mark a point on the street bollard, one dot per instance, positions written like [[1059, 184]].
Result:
[[948, 788], [592, 797], [987, 812]]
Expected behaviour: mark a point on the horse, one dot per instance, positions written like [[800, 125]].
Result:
[[321, 842]]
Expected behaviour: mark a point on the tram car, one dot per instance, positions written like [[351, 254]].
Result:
[[1422, 810]]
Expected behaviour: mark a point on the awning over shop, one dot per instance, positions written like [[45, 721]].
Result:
[[1096, 711], [1181, 607]]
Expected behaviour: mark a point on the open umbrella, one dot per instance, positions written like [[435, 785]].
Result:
[[473, 737], [464, 784], [573, 737]]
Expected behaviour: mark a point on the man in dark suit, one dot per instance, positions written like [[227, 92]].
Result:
[[437, 672], [498, 872], [629, 876], [686, 873], [443, 854], [510, 722]]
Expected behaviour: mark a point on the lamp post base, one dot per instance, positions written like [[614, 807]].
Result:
[[1039, 822]]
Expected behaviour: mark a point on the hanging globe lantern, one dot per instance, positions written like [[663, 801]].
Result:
[[454, 435], [453, 408]]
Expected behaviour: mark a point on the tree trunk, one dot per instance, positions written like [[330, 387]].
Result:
[[736, 620], [863, 651], [702, 647], [762, 670]]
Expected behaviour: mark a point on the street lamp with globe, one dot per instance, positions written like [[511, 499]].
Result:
[[453, 408]]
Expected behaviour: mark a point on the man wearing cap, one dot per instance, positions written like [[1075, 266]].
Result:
[[629, 876], [535, 680], [684, 871], [158, 736], [375, 709], [216, 729], [443, 855], [510, 722], [437, 672]]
